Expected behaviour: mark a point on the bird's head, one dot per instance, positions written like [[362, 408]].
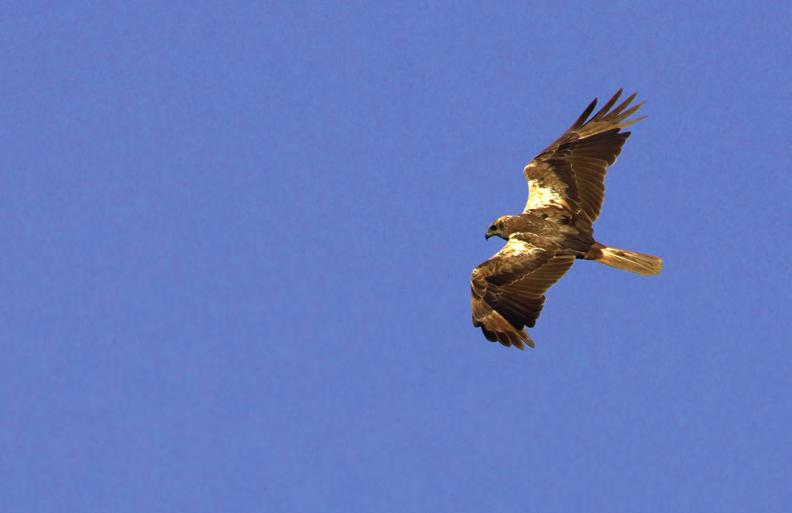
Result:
[[498, 228]]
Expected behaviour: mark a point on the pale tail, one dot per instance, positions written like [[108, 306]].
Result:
[[639, 263]]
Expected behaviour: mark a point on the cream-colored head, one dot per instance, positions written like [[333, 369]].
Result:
[[498, 228]]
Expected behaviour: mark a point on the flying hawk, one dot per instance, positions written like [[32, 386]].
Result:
[[565, 192]]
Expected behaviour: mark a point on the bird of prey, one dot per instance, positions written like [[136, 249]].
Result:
[[565, 193]]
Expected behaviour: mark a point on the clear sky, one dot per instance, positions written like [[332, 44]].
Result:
[[237, 239]]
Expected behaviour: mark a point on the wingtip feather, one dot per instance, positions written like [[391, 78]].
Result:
[[623, 105], [604, 110], [582, 119]]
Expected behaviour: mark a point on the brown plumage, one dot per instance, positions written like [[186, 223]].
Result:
[[566, 186]]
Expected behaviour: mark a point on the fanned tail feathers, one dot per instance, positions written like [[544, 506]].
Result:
[[632, 261]]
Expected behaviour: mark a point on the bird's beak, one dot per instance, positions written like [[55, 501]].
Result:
[[487, 235]]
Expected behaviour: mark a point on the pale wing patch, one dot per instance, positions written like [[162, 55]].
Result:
[[512, 247], [517, 246], [540, 192], [542, 196]]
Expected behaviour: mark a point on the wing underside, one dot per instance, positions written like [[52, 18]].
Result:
[[570, 173], [508, 290]]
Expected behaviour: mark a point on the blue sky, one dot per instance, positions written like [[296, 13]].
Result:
[[238, 238]]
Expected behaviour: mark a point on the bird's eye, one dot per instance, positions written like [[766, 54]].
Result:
[[492, 228]]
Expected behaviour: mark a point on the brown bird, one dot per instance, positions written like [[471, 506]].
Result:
[[565, 192]]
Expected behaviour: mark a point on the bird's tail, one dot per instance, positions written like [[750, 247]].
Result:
[[639, 263]]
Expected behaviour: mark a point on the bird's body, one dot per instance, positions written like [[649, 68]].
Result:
[[550, 226], [566, 190]]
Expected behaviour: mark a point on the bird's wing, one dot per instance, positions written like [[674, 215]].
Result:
[[508, 289], [570, 173]]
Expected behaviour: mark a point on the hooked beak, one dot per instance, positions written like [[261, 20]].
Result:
[[488, 235]]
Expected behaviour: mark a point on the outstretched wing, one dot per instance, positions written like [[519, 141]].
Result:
[[508, 290], [570, 173]]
